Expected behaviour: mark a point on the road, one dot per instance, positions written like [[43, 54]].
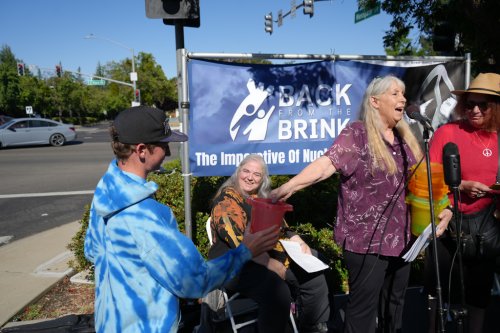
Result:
[[43, 187]]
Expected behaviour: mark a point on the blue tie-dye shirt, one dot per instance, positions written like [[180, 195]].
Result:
[[143, 263]]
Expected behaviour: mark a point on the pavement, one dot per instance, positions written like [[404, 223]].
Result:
[[32, 265]]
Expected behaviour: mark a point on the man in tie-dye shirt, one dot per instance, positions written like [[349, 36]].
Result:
[[143, 263]]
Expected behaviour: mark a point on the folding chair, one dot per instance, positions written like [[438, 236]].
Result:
[[235, 306]]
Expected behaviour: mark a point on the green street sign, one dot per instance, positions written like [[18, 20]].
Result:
[[364, 13], [96, 82]]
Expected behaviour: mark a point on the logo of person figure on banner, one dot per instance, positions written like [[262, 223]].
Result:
[[251, 107]]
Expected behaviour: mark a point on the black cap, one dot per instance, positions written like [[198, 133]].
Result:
[[144, 124]]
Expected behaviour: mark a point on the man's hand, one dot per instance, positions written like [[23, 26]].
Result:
[[261, 241]]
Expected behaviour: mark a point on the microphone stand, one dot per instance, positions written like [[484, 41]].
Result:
[[461, 313], [441, 328]]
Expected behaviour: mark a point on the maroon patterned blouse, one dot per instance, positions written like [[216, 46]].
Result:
[[372, 216]]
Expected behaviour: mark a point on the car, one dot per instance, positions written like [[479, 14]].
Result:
[[4, 119], [35, 131]]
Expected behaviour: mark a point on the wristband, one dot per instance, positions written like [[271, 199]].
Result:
[[450, 207]]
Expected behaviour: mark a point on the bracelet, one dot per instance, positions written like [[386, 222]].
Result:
[[450, 207]]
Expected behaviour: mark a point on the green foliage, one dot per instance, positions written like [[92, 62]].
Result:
[[80, 263], [171, 189], [313, 218], [200, 236], [69, 97], [316, 204], [321, 239], [30, 312], [471, 20]]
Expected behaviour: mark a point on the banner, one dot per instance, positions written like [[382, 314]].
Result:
[[290, 114]]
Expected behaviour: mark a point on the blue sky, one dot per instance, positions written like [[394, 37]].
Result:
[[46, 32]]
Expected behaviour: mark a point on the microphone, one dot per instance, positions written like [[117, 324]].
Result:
[[451, 165], [413, 111]]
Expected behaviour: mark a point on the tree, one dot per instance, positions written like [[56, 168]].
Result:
[[155, 88], [473, 21], [69, 99], [9, 82]]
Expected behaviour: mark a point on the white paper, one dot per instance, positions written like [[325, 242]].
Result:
[[420, 244], [308, 262]]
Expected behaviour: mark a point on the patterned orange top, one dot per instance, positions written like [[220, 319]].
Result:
[[229, 217]]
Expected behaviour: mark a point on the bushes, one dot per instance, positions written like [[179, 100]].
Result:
[[313, 217], [80, 263]]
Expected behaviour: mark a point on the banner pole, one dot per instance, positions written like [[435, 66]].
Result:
[[184, 110]]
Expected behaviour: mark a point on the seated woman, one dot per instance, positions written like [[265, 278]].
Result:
[[271, 279]]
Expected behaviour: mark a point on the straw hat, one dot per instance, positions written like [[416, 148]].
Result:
[[484, 83]]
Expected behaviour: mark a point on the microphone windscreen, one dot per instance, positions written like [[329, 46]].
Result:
[[413, 111], [451, 165], [450, 149]]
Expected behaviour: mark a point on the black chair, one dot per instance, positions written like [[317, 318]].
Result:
[[239, 310]]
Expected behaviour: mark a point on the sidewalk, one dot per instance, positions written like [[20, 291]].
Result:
[[30, 266]]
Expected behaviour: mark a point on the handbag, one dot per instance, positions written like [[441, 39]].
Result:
[[480, 234], [481, 230]]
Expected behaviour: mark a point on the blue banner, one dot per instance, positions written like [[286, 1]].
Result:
[[290, 114]]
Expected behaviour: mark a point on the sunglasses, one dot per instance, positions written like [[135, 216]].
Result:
[[470, 105], [167, 129]]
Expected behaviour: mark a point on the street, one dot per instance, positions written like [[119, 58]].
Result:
[[44, 187]]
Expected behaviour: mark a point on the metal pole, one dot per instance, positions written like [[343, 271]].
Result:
[[134, 81], [182, 90], [134, 84], [440, 309], [467, 69]]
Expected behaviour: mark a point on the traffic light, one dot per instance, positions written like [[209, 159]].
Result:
[[269, 23], [58, 70], [443, 37], [20, 68], [137, 95], [309, 7], [182, 12]]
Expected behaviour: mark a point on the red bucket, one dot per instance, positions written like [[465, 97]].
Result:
[[265, 213]]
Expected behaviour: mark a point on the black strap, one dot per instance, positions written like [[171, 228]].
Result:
[[498, 149]]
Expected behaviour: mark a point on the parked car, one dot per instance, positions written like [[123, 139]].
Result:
[[4, 119], [35, 131]]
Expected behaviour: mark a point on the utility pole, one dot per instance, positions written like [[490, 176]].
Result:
[[180, 14]]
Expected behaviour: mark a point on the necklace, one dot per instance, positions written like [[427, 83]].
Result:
[[486, 151]]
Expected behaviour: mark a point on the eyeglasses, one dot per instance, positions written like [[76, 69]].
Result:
[[483, 106], [167, 129]]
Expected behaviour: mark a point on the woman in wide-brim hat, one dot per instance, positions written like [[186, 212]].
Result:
[[475, 134]]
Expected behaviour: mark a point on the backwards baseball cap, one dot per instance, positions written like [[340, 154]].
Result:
[[144, 124]]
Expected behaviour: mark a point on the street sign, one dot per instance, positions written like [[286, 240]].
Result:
[[365, 13], [96, 82], [293, 9], [29, 110]]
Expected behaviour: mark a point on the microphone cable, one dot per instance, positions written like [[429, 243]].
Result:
[[395, 196]]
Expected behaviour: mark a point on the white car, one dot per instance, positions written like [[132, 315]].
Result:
[[35, 131]]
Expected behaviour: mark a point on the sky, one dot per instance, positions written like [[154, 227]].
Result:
[[43, 33]]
